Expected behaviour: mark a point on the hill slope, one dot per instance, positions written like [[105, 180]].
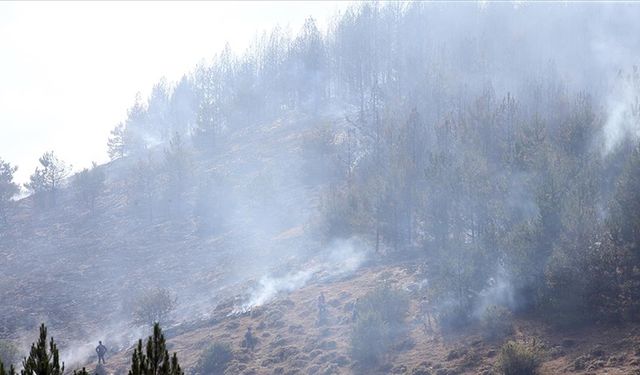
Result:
[[291, 341]]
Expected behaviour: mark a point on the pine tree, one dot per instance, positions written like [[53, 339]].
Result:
[[8, 188], [115, 143], [155, 360], [45, 181], [42, 361]]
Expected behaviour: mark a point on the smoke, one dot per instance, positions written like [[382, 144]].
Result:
[[270, 286], [623, 113], [498, 292], [341, 258], [116, 337]]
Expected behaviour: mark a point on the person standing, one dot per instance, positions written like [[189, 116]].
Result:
[[101, 350]]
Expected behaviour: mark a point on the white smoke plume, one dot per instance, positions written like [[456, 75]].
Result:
[[341, 258], [498, 292], [623, 113], [116, 337]]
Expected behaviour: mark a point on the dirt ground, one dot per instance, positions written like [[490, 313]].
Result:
[[291, 342]]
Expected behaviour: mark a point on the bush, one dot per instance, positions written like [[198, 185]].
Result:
[[391, 304], [370, 339], [154, 306], [381, 321], [215, 359], [454, 316], [520, 358], [496, 322]]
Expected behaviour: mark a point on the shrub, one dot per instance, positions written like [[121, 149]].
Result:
[[381, 320], [215, 359], [454, 316], [154, 306], [496, 322], [391, 304], [518, 358], [370, 339]]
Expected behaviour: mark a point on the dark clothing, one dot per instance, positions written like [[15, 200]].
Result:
[[249, 341], [101, 350]]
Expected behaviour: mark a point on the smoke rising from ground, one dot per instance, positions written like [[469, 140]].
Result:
[[623, 111], [462, 134], [339, 259]]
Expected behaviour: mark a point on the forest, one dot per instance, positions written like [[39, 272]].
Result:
[[496, 147]]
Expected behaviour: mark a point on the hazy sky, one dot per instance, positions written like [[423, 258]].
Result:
[[70, 70]]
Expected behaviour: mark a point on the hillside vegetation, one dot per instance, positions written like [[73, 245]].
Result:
[[484, 171]]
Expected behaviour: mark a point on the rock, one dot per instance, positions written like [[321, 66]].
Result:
[[568, 343]]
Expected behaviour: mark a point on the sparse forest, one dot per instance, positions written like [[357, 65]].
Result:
[[498, 157]]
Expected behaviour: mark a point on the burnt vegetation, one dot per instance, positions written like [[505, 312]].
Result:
[[493, 169]]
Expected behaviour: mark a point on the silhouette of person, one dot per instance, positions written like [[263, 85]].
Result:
[[322, 306], [355, 314], [249, 340], [322, 309], [101, 350]]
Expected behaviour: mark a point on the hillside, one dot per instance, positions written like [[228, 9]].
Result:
[[94, 263], [291, 342], [479, 162]]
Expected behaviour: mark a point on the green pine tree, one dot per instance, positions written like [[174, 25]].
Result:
[[155, 360], [42, 361]]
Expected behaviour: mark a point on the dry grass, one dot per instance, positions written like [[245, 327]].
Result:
[[290, 342]]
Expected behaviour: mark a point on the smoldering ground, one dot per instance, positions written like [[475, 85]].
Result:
[[252, 231]]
